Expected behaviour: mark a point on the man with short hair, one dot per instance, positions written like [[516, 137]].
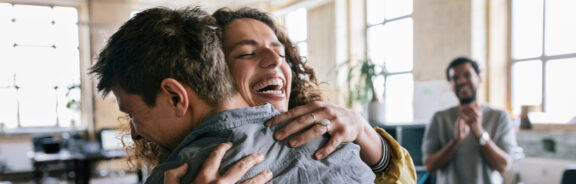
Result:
[[168, 73], [472, 142]]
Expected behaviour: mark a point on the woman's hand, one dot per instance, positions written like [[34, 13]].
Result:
[[345, 126], [209, 172]]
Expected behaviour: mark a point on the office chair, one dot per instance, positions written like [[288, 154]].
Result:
[[39, 140], [47, 144]]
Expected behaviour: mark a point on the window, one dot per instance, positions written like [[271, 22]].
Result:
[[296, 23], [39, 66], [389, 42], [544, 56]]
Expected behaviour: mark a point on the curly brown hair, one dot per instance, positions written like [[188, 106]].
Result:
[[304, 81], [141, 151]]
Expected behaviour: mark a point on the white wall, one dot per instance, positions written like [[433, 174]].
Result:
[[15, 152], [543, 170]]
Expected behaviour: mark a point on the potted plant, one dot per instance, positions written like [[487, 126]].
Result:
[[362, 80]]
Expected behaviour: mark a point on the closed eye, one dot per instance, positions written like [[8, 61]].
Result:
[[245, 55]]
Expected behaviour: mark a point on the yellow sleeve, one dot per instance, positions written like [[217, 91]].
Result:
[[401, 168]]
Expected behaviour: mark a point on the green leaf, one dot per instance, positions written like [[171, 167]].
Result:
[[360, 80]]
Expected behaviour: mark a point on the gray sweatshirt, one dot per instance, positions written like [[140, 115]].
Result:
[[245, 129]]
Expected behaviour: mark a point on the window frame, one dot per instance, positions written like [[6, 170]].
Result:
[[544, 58], [389, 74], [86, 92], [296, 43]]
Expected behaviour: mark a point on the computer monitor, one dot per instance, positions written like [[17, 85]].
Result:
[[110, 139], [411, 139]]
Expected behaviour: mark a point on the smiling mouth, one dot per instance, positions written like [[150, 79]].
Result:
[[464, 87], [272, 86]]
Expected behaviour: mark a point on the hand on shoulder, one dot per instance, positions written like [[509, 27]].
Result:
[[344, 125]]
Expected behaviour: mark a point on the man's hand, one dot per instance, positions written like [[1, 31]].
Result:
[[472, 114], [461, 130]]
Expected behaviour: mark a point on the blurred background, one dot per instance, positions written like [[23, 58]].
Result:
[[55, 127]]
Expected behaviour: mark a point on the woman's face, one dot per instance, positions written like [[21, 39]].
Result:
[[256, 60]]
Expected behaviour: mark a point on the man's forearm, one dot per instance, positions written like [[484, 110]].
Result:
[[440, 158], [495, 156]]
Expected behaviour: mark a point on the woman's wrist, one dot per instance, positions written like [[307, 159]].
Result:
[[371, 145], [361, 138], [387, 150], [367, 136], [384, 159]]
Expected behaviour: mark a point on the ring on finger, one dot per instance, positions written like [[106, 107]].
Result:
[[325, 122], [313, 117]]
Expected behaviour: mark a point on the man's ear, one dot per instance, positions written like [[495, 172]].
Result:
[[178, 95], [480, 79]]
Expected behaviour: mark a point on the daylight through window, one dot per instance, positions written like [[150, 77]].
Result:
[[39, 66]]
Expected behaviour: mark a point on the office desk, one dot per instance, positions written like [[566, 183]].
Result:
[[79, 163]]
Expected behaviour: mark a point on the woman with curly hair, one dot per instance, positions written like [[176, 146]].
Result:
[[274, 72], [261, 78]]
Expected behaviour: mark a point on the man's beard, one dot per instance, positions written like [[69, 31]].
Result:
[[464, 101]]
